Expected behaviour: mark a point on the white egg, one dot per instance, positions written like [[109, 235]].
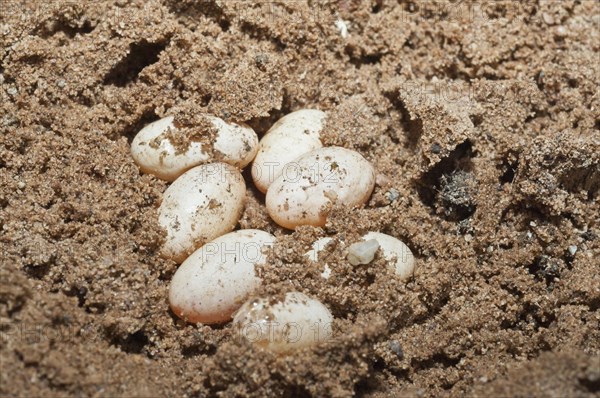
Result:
[[155, 153], [217, 278], [320, 178], [399, 256], [297, 321], [202, 204], [236, 143], [289, 138]]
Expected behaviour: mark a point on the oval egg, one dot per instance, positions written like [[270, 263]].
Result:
[[320, 178], [399, 256], [290, 137], [217, 278], [202, 204], [162, 149], [295, 322]]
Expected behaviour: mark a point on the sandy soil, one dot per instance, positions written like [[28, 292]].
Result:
[[483, 122]]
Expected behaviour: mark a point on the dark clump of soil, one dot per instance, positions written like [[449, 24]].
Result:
[[456, 199], [481, 119]]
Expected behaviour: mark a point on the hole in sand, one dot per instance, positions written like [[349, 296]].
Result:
[[450, 186], [141, 55], [132, 344]]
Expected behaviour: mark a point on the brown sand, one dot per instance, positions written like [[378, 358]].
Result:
[[482, 119]]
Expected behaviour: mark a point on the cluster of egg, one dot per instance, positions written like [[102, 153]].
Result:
[[200, 209]]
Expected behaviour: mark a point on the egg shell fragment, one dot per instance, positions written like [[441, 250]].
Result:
[[400, 258], [313, 254], [321, 177], [317, 247], [280, 326], [202, 204], [154, 152], [216, 279], [289, 138]]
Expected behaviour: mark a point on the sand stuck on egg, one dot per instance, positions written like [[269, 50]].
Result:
[[167, 149], [201, 205], [297, 321], [303, 194]]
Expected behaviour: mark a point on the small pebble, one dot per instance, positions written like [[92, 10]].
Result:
[[342, 26], [326, 274], [561, 31], [201, 205], [396, 348], [548, 18], [392, 195], [297, 321], [320, 178], [399, 256], [572, 250], [289, 138], [362, 252], [155, 153], [214, 281]]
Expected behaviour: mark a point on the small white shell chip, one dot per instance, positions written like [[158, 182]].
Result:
[[155, 153], [201, 205], [289, 138], [401, 259], [217, 278], [313, 254], [297, 321], [317, 247], [320, 178]]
